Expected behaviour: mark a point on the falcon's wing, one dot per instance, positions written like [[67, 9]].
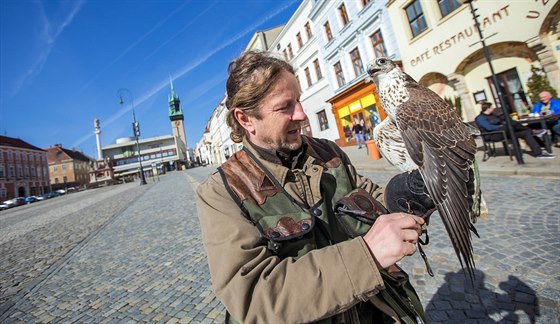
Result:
[[390, 143], [442, 147]]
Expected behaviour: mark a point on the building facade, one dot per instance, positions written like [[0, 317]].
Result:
[[157, 154], [350, 34], [444, 53], [67, 168], [23, 169], [297, 43]]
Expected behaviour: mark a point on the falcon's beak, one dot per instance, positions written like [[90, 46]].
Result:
[[372, 68]]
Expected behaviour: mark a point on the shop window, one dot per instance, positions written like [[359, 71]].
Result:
[[356, 62], [323, 121], [416, 18], [343, 15], [299, 41], [317, 69], [378, 44], [448, 6], [339, 74], [308, 31], [328, 32], [308, 76]]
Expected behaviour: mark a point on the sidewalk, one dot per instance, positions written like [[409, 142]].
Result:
[[499, 165]]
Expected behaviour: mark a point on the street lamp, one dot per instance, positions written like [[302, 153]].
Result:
[[122, 93]]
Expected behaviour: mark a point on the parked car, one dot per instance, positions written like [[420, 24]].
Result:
[[30, 199], [4, 206], [15, 202], [61, 191]]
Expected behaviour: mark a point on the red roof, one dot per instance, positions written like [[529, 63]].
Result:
[[16, 142]]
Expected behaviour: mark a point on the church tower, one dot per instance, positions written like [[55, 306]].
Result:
[[176, 116]]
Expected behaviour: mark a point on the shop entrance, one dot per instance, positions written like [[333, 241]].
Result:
[[512, 91]]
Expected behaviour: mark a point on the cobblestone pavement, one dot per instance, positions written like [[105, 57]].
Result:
[[132, 253], [517, 258]]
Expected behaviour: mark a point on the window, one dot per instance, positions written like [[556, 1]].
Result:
[[64, 179], [323, 122], [299, 41], [339, 74], [290, 52], [317, 69], [285, 54], [19, 171], [297, 79], [1, 171], [55, 180], [328, 32], [356, 62], [26, 171], [308, 76], [448, 6], [308, 31], [11, 171], [343, 15], [3, 192], [377, 43], [63, 167], [365, 2], [416, 18]]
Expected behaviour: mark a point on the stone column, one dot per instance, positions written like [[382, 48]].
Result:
[[457, 81], [541, 47]]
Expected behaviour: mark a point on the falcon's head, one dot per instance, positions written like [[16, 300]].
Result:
[[390, 83]]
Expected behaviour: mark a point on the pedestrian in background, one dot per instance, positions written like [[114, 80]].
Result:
[[489, 122], [358, 130], [277, 250], [549, 105]]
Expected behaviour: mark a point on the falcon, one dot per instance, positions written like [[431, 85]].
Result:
[[423, 132]]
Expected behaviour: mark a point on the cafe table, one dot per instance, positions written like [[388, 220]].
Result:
[[542, 120]]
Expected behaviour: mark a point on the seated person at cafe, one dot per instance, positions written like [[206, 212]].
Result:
[[489, 122], [549, 105]]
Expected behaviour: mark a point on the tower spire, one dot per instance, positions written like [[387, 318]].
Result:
[[172, 89]]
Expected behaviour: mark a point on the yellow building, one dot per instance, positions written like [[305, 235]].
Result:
[[440, 47]]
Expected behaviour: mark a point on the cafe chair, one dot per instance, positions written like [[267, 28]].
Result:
[[489, 146]]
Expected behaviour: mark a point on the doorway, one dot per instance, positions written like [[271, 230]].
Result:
[[512, 92]]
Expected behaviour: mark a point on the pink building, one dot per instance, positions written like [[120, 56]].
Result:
[[23, 169]]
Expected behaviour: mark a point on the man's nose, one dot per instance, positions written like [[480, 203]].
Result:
[[299, 114]]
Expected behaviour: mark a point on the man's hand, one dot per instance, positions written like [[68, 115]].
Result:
[[392, 237]]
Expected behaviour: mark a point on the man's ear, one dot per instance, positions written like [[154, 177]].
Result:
[[243, 119]]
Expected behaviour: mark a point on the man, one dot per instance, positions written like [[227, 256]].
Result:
[[277, 252], [549, 105], [489, 122], [358, 130]]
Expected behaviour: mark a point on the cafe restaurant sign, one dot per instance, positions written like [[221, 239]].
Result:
[[470, 34]]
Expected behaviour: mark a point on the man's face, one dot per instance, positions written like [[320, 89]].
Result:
[[281, 117], [545, 97]]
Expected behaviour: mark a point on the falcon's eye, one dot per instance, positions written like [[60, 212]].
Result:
[[381, 61]]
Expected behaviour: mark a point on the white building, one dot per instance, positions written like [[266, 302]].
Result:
[[297, 43], [158, 152], [350, 33]]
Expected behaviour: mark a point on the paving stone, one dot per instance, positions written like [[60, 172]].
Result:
[[132, 253]]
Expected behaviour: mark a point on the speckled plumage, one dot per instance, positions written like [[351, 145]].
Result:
[[423, 132]]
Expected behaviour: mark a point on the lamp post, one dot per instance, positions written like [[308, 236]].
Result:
[[509, 124], [121, 93]]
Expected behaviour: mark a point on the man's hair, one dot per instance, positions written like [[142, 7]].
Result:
[[250, 78], [485, 106]]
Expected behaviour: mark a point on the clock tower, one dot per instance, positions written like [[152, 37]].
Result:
[[176, 117]]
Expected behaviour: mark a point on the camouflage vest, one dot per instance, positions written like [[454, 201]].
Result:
[[290, 227]]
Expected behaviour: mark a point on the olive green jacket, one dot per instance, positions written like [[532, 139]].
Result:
[[257, 286]]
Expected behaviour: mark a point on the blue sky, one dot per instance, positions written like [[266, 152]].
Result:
[[62, 63]]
